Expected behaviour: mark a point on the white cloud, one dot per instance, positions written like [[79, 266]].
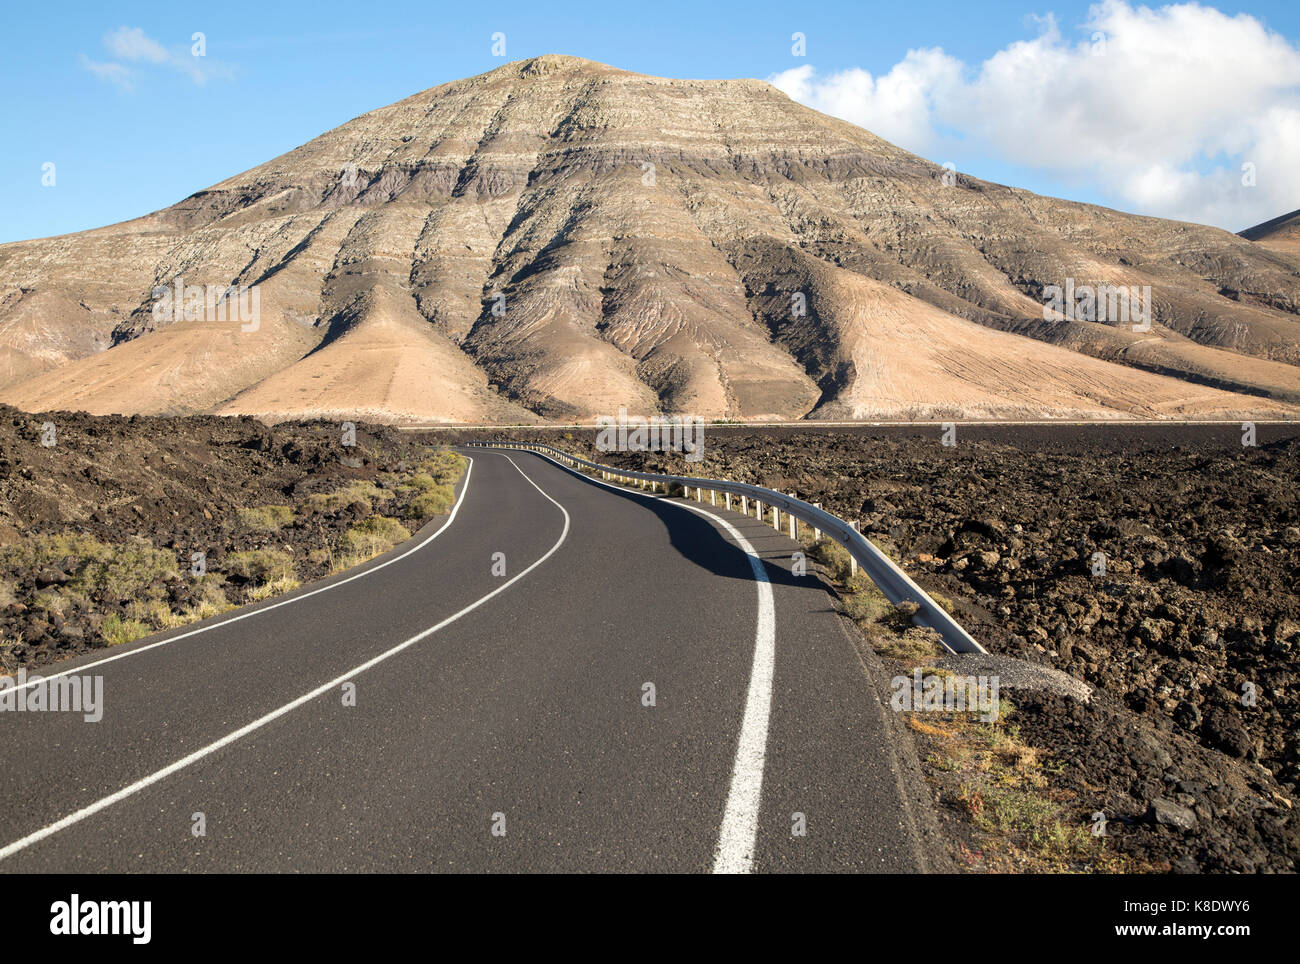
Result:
[[112, 73], [1158, 108], [132, 44], [898, 105]]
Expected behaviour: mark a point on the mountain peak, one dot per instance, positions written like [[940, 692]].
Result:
[[546, 64], [1281, 232], [561, 65]]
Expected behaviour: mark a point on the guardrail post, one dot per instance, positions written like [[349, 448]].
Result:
[[726, 497], [758, 509], [699, 494], [713, 497], [794, 528], [776, 518], [744, 505], [853, 562]]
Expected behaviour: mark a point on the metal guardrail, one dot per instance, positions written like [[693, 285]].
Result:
[[896, 585]]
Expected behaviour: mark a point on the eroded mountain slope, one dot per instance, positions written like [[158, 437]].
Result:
[[557, 238]]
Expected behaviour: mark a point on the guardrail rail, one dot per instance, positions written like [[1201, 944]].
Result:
[[896, 585]]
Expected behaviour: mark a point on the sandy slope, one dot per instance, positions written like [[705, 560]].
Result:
[[389, 365], [184, 369], [912, 360]]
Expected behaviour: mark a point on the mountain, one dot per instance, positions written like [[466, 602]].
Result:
[[558, 239], [1281, 234]]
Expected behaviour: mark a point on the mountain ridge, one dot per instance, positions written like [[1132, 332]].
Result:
[[558, 238]]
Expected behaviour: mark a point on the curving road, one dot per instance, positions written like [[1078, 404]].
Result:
[[485, 702]]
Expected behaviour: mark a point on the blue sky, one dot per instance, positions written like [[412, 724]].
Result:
[[132, 122]]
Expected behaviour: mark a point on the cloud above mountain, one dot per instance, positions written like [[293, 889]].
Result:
[[1182, 111], [132, 49]]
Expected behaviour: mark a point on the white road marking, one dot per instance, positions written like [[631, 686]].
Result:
[[263, 609], [243, 731], [739, 833]]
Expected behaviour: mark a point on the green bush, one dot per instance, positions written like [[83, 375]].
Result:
[[39, 551], [127, 572], [426, 505], [275, 587], [265, 518], [834, 557], [421, 482], [443, 465], [259, 565], [62, 601], [867, 605], [899, 617], [357, 491], [374, 535], [133, 574], [117, 630], [119, 571], [944, 603]]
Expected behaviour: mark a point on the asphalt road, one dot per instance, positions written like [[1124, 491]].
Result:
[[499, 720]]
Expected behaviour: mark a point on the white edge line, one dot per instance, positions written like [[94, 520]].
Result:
[[739, 833], [199, 754], [264, 609]]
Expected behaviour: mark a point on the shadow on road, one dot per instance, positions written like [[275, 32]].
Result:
[[700, 542]]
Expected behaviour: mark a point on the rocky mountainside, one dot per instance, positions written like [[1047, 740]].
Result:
[[1280, 235], [558, 239]]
